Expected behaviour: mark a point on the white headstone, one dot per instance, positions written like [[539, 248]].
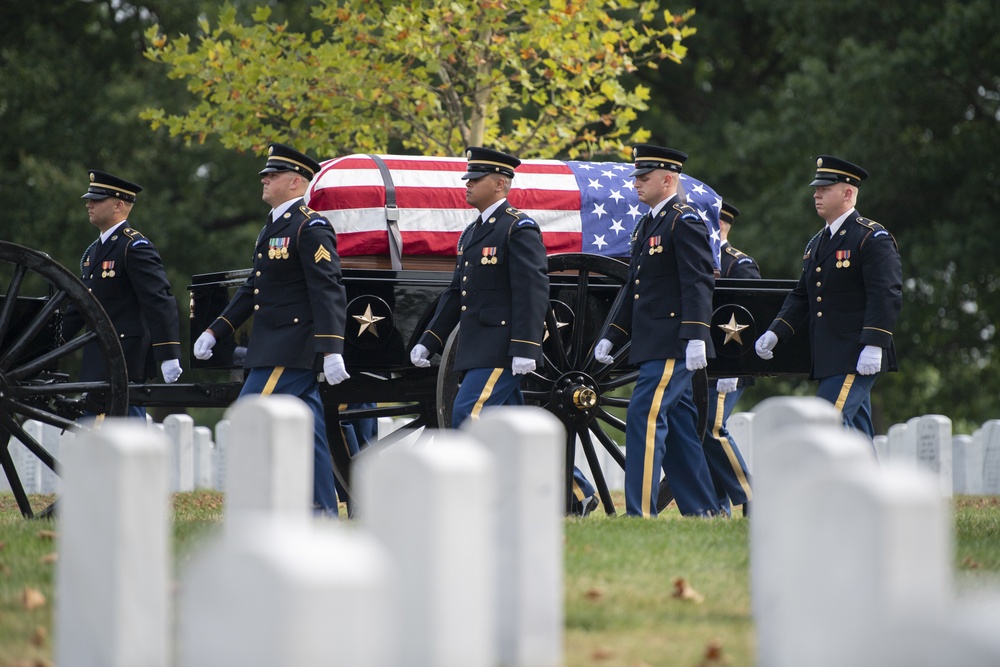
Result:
[[933, 446], [740, 426], [871, 546], [967, 464], [902, 448], [881, 443], [528, 445], [203, 450], [270, 456], [781, 458], [991, 456], [275, 591], [221, 450], [180, 430], [435, 507], [114, 549]]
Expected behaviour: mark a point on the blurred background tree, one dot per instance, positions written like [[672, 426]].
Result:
[[911, 91]]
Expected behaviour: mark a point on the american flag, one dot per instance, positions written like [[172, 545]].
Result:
[[580, 206]]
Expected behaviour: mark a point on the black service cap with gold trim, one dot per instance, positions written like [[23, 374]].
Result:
[[484, 161], [830, 170], [285, 158], [648, 157], [729, 213], [104, 185]]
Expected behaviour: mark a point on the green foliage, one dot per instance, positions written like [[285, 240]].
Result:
[[534, 77], [911, 92]]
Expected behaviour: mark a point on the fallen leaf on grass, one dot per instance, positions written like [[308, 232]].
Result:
[[3, 545], [602, 653], [713, 656], [595, 593], [49, 558], [47, 534], [32, 598], [684, 591], [969, 564], [40, 636]]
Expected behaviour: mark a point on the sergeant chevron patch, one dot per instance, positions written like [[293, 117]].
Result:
[[321, 254]]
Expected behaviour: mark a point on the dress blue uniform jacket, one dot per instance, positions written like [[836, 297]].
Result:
[[668, 296], [737, 264], [499, 293], [851, 292], [127, 277], [295, 294]]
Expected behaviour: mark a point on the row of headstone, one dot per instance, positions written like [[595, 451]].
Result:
[[961, 464], [851, 562], [456, 558], [195, 462]]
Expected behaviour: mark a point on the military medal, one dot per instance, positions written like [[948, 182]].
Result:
[[654, 245], [108, 269], [278, 248], [843, 259], [489, 255]]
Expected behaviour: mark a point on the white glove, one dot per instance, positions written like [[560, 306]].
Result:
[[602, 352], [333, 368], [765, 344], [870, 361], [203, 346], [696, 355], [726, 385], [418, 356], [522, 365], [170, 370]]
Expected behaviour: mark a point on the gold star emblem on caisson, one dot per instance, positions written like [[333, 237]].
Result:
[[367, 321], [733, 329]]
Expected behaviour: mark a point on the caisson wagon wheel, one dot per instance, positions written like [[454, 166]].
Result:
[[36, 361]]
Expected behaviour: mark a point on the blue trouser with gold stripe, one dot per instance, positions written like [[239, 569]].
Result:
[[730, 476], [301, 383], [482, 387], [661, 430], [852, 395]]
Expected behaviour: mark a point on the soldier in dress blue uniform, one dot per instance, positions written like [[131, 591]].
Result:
[[499, 294], [123, 270], [850, 291], [665, 309], [299, 305], [729, 471]]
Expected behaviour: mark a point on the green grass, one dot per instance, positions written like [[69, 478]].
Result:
[[620, 580]]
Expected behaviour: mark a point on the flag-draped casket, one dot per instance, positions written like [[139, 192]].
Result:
[[580, 206]]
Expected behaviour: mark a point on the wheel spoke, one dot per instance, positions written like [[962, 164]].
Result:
[[619, 381], [611, 420], [10, 299], [33, 445], [29, 332], [41, 362], [37, 414], [614, 401], [595, 469], [579, 321], [15, 482], [561, 361], [609, 444]]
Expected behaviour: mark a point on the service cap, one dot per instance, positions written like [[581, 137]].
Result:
[[104, 185], [830, 170], [648, 157], [285, 158], [484, 161]]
